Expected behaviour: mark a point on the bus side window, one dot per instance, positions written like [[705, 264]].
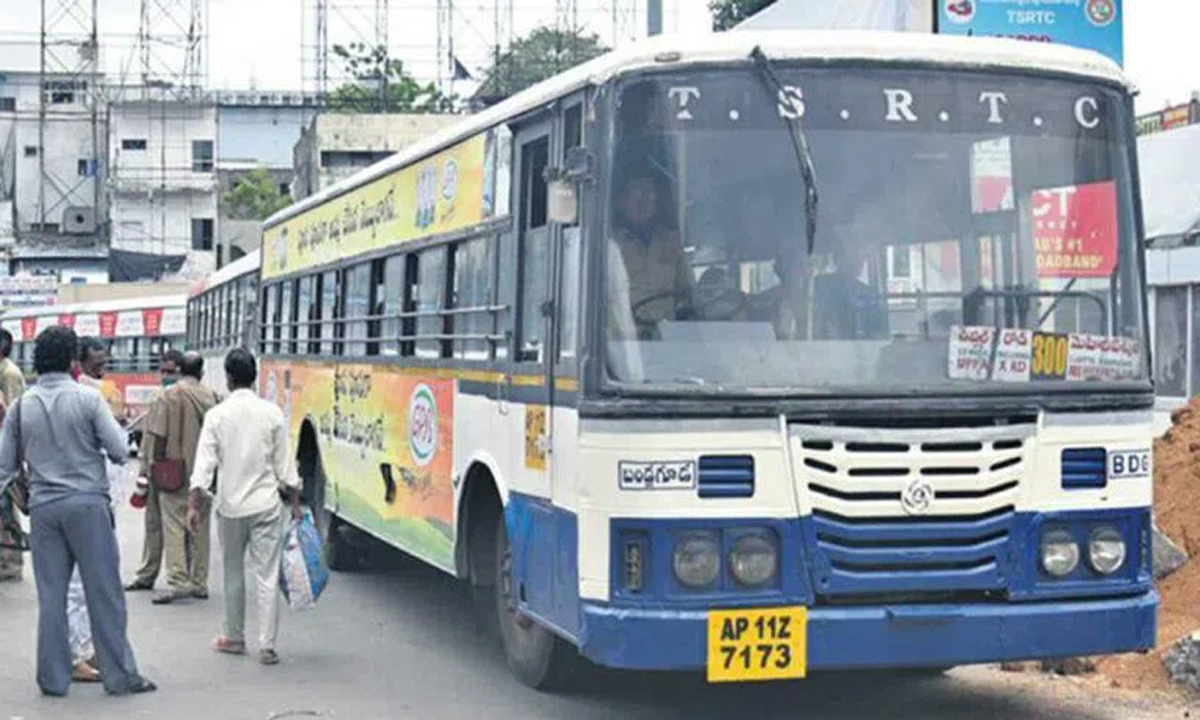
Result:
[[329, 303], [412, 273], [392, 304], [375, 307], [534, 256], [471, 295], [431, 297], [304, 300], [569, 262]]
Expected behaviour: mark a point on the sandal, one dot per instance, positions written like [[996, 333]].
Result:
[[84, 672], [229, 647], [268, 657]]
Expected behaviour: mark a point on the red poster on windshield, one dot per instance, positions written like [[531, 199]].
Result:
[[1075, 230], [152, 321], [108, 324]]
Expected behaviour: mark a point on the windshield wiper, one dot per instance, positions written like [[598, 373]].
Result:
[[799, 144]]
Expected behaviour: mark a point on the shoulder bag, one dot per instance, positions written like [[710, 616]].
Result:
[[167, 473]]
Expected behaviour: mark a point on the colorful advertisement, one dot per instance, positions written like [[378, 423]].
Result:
[[1075, 230], [386, 443], [440, 194], [1089, 24]]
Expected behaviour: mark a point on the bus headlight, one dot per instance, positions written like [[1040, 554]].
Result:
[[697, 560], [752, 560], [1106, 550], [1060, 553]]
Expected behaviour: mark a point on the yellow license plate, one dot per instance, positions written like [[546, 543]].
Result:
[[747, 645]]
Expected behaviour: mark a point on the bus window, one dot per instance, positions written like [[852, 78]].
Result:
[[568, 289], [506, 290], [393, 303], [534, 245], [431, 299], [303, 318], [375, 306], [412, 273], [286, 308], [329, 307], [358, 297], [229, 294], [472, 296]]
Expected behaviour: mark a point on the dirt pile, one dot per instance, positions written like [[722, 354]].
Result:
[[1177, 513]]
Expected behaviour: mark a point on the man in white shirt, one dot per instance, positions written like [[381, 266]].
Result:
[[244, 441]]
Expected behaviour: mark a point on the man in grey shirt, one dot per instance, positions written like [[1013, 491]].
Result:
[[66, 429]]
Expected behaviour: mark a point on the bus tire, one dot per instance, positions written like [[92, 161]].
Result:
[[339, 556], [539, 658]]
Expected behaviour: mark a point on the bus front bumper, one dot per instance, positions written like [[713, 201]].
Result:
[[888, 636]]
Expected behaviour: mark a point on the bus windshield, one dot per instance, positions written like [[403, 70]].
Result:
[[973, 229]]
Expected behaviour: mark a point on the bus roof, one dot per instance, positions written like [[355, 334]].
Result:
[[153, 301], [245, 264], [971, 52]]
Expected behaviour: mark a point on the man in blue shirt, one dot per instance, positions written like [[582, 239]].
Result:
[[66, 430]]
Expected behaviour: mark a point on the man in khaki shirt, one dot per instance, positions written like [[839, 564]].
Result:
[[173, 431], [12, 386]]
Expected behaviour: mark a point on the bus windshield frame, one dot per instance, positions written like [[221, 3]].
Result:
[[999, 209]]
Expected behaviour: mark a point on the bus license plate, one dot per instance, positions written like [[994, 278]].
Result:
[[747, 645]]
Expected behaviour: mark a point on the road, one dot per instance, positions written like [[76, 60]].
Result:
[[396, 642]]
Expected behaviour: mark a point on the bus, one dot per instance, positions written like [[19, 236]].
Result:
[[221, 315], [751, 354]]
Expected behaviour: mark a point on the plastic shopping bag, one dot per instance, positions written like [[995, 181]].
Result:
[[303, 575]]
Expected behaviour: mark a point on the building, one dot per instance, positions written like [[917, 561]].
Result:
[[337, 145], [162, 186], [1169, 163], [255, 130], [52, 204]]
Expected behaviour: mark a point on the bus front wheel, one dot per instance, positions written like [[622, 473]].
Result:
[[538, 657]]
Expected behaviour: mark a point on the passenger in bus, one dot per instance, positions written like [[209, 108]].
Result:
[[12, 386], [846, 308], [657, 272]]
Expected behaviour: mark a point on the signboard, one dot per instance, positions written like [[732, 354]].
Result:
[[27, 291], [440, 194], [1089, 24], [1075, 230], [1021, 356]]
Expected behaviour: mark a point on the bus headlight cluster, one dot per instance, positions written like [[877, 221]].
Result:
[[1060, 553], [752, 560]]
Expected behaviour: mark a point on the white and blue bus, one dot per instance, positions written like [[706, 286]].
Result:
[[750, 354]]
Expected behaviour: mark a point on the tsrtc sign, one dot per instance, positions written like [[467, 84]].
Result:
[[1089, 24]]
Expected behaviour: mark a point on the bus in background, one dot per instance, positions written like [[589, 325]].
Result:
[[747, 353], [220, 316], [136, 332]]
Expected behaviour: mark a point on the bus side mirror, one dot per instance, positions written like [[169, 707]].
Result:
[[563, 202]]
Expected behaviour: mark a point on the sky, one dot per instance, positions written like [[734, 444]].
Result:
[[258, 43]]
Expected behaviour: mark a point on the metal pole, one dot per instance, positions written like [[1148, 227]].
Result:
[[654, 17]]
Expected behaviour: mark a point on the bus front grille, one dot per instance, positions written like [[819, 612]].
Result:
[[896, 512]]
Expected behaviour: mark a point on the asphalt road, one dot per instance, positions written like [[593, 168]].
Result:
[[397, 641]]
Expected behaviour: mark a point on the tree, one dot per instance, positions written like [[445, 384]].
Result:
[[727, 13], [543, 53], [381, 84], [254, 197]]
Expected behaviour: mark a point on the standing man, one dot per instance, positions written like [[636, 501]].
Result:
[[172, 431], [244, 440], [152, 545], [12, 386], [65, 431]]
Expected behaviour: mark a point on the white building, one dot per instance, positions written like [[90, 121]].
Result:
[[52, 204], [162, 185]]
